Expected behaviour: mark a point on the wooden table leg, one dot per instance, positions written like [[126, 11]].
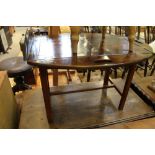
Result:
[[46, 91], [139, 30], [127, 86], [69, 79], [88, 75], [55, 77], [106, 77], [106, 80]]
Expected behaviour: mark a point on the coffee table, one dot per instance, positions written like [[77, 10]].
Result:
[[64, 53]]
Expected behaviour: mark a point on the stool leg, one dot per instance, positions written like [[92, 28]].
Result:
[[20, 85], [88, 75]]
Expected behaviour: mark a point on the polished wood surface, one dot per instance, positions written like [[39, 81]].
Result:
[[60, 53], [127, 86]]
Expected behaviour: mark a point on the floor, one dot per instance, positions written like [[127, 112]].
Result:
[[76, 78]]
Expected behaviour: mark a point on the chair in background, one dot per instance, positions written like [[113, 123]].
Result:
[[18, 69], [149, 36], [152, 67]]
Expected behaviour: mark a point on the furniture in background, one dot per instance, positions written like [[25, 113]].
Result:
[[12, 29], [8, 34], [18, 69], [9, 114], [152, 67], [3, 42], [141, 87], [6, 37], [53, 31], [149, 36]]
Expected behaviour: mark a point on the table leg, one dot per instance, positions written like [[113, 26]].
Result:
[[127, 86], [55, 77], [106, 80], [88, 75], [106, 77], [46, 91], [139, 30]]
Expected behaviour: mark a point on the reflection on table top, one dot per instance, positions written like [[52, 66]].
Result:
[[62, 52]]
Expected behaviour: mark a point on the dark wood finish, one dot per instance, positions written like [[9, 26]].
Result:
[[118, 84], [106, 77], [79, 89], [58, 53], [55, 77], [152, 67], [138, 31], [46, 91], [17, 69], [127, 86], [88, 75], [29, 77], [152, 71], [69, 76], [57, 57]]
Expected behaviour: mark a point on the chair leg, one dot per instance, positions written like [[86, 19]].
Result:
[[110, 29], [146, 65], [138, 36], [84, 73], [145, 35], [120, 30], [116, 32], [124, 72], [152, 71], [115, 73], [101, 72], [88, 75]]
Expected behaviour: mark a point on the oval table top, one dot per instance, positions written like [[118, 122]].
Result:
[[64, 53]]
